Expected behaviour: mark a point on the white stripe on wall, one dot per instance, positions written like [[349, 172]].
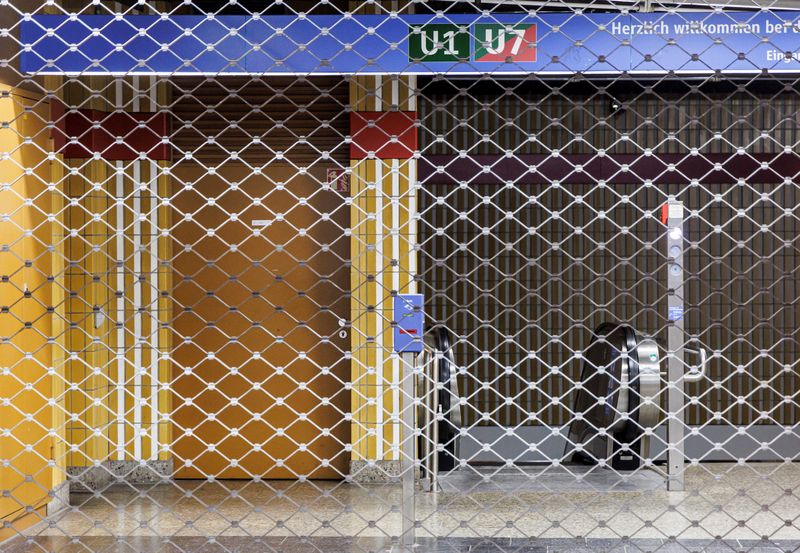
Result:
[[395, 90], [412, 225], [412, 196], [155, 348], [137, 294], [379, 309], [137, 314], [120, 290], [396, 288]]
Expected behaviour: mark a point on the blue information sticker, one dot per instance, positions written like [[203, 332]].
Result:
[[409, 321], [675, 313]]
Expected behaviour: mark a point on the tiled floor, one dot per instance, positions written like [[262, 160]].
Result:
[[729, 508]]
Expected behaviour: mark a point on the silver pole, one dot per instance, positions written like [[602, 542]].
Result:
[[430, 436], [425, 454], [675, 346], [435, 458], [408, 449]]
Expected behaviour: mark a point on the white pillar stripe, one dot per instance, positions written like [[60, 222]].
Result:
[[119, 318], [380, 316], [395, 288], [154, 294]]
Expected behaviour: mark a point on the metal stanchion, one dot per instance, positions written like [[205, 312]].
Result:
[[675, 346], [408, 452], [409, 321]]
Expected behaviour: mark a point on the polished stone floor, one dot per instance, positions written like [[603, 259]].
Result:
[[570, 478], [378, 545], [753, 507]]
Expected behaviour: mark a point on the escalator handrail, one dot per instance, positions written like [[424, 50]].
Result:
[[447, 374]]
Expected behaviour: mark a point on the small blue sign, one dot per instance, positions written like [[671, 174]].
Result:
[[408, 322], [675, 313]]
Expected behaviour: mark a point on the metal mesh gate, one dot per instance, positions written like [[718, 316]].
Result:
[[433, 276]]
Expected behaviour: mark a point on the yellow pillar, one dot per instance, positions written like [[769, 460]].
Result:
[[26, 318], [88, 361], [383, 256]]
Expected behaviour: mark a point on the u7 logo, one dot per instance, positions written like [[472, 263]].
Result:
[[505, 43]]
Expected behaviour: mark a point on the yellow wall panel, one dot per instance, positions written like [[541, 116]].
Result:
[[26, 380], [119, 399]]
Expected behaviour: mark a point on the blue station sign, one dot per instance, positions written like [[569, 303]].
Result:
[[691, 43]]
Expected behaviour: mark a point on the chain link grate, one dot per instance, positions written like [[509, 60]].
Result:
[[222, 220]]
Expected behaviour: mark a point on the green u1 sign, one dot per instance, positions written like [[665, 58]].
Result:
[[438, 42]]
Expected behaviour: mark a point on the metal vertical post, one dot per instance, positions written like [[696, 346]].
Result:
[[675, 346], [409, 327], [408, 451]]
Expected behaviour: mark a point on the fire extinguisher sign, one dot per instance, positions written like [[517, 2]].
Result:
[[338, 180]]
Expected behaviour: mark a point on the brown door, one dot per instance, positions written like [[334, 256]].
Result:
[[259, 364]]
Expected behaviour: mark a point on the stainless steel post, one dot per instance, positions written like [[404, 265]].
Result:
[[408, 450], [675, 347], [427, 409]]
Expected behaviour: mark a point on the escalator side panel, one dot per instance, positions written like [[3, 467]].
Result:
[[450, 427]]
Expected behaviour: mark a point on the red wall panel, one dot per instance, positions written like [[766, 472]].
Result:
[[116, 136], [387, 134]]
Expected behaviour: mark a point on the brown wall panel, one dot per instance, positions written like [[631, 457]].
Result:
[[535, 284], [513, 291], [252, 118]]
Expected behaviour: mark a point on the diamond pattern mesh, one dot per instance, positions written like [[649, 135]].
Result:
[[198, 272]]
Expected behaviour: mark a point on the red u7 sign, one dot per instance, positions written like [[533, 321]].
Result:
[[505, 43]]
